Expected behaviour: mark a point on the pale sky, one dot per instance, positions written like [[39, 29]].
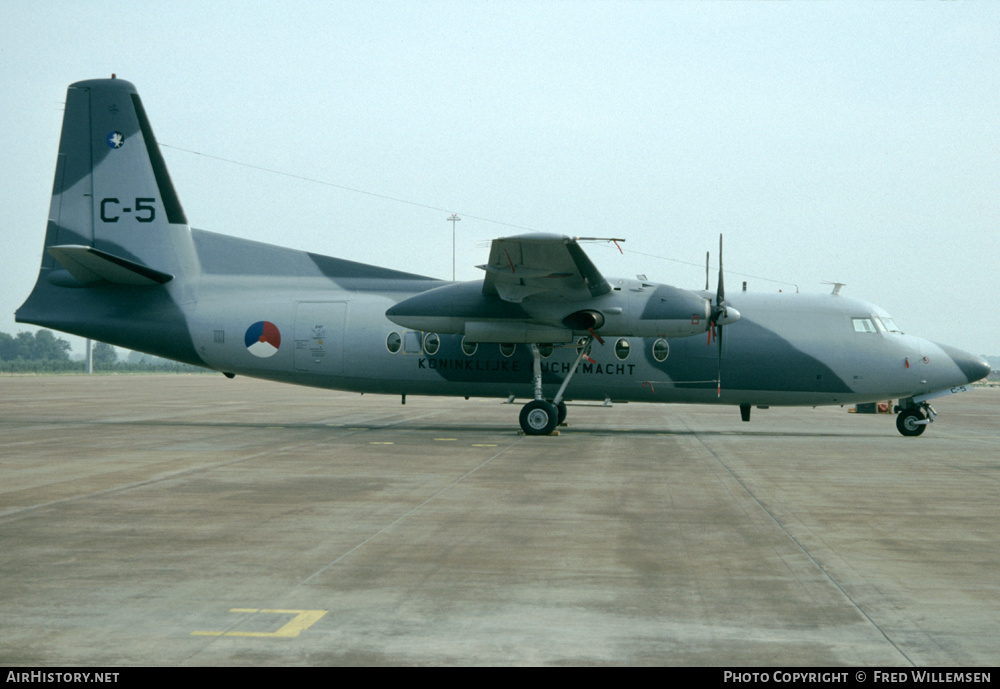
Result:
[[849, 142]]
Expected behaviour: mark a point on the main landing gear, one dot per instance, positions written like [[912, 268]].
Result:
[[912, 421], [540, 417]]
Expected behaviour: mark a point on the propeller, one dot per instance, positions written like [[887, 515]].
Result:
[[721, 315]]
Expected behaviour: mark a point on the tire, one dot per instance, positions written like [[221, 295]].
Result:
[[539, 418], [906, 421]]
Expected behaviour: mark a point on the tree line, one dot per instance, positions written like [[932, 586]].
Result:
[[43, 352]]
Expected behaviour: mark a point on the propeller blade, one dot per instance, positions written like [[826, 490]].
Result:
[[718, 390], [718, 313], [720, 295]]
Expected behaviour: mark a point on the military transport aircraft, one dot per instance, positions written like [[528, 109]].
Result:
[[122, 265]]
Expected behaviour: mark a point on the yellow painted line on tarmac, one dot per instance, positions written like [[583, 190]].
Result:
[[381, 442], [483, 445], [303, 620]]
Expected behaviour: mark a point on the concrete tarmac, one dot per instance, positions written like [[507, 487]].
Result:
[[194, 520]]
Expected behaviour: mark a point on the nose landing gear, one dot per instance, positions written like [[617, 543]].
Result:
[[914, 413], [912, 421]]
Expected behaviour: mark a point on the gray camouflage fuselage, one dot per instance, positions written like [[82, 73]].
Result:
[[123, 266]]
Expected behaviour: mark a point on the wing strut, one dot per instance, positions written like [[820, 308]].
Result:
[[584, 351]]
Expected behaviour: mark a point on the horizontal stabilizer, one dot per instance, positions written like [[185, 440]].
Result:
[[89, 265]]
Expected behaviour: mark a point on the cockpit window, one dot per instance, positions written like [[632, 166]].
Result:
[[890, 325], [863, 325]]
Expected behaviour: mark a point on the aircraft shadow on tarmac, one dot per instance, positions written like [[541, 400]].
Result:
[[404, 425]]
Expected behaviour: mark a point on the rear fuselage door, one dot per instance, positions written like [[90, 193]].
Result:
[[319, 336]]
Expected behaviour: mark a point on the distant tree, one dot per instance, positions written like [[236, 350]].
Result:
[[104, 355], [24, 346], [51, 348], [7, 347], [41, 346]]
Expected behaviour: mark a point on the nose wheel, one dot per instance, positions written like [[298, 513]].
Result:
[[913, 421]]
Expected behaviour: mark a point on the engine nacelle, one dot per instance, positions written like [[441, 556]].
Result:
[[587, 319]]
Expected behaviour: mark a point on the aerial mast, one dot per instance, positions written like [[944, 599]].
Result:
[[453, 219]]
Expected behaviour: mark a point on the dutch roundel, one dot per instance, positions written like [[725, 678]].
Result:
[[263, 339]]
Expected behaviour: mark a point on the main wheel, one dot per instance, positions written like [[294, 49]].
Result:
[[561, 409], [539, 418], [906, 421]]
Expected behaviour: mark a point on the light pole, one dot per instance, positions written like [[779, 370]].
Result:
[[453, 219]]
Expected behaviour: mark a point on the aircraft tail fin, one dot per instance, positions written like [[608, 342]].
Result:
[[117, 244], [112, 191]]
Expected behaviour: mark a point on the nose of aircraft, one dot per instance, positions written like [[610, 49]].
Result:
[[972, 367]]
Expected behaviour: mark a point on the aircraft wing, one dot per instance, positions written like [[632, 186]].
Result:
[[541, 264]]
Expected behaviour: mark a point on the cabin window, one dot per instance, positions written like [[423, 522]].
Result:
[[393, 342], [661, 349], [469, 348], [622, 348], [432, 343], [507, 348], [863, 325], [545, 350]]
